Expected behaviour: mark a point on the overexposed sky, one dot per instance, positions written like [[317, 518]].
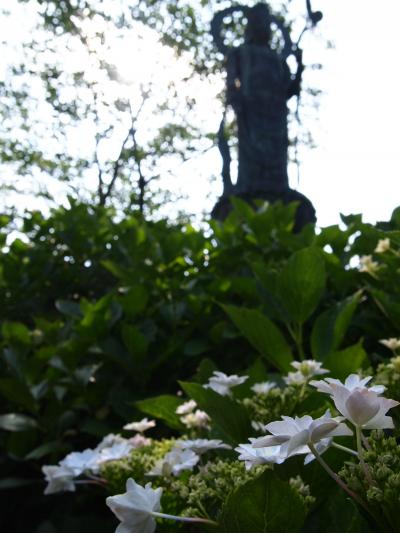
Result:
[[356, 166]]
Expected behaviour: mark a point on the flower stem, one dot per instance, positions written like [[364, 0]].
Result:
[[184, 518], [336, 478], [344, 448], [363, 464]]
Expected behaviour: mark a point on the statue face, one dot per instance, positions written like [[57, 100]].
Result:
[[258, 29]]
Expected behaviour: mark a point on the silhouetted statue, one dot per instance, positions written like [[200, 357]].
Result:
[[259, 83]]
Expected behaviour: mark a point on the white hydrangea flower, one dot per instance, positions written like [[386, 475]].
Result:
[[295, 378], [352, 382], [259, 456], [175, 462], [139, 440], [198, 419], [109, 440], [294, 434], [309, 368], [115, 452], [201, 446], [59, 479], [134, 508], [368, 265], [80, 462], [363, 407], [186, 407], [264, 387], [392, 343], [382, 246], [141, 426], [222, 383]]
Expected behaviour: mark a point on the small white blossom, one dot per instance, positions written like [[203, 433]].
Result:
[[222, 384], [134, 508], [309, 368], [295, 378], [108, 441], [80, 462], [141, 426], [198, 419], [382, 246], [59, 479], [368, 265], [175, 462], [139, 440], [200, 446], [294, 434], [259, 456], [392, 343], [186, 407], [351, 383], [264, 387], [115, 452], [363, 407]]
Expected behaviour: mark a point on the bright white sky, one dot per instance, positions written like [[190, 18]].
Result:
[[355, 167]]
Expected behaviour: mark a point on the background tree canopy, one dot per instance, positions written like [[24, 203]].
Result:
[[100, 99]]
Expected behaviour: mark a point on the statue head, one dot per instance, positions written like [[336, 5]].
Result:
[[258, 29]]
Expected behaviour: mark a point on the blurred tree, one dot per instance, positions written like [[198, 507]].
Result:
[[100, 99]]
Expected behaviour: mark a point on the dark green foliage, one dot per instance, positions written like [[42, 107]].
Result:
[[100, 312]]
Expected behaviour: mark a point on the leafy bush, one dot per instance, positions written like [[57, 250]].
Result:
[[100, 314]]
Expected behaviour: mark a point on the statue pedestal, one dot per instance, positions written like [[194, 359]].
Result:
[[304, 215]]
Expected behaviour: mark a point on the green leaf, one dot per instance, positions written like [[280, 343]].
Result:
[[44, 449], [68, 308], [15, 333], [134, 300], [331, 326], [262, 333], [346, 362], [16, 422], [17, 392], [135, 342], [229, 417], [264, 504], [302, 283], [162, 407]]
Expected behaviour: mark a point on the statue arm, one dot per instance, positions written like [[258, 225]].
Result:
[[294, 87]]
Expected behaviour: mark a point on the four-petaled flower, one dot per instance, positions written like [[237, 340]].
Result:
[[351, 383], [59, 479], [186, 407], [382, 246], [140, 426], [363, 407], [201, 446], [222, 384], [295, 434], [135, 508], [259, 456], [175, 462], [264, 387], [80, 462]]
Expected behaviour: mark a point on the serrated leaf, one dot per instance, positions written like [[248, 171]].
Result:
[[229, 417], [302, 283], [162, 407], [264, 504], [263, 334], [331, 326]]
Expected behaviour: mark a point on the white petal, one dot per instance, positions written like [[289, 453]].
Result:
[[362, 405]]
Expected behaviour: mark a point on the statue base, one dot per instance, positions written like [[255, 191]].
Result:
[[305, 213]]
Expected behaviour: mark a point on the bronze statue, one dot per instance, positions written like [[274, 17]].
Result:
[[259, 83]]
